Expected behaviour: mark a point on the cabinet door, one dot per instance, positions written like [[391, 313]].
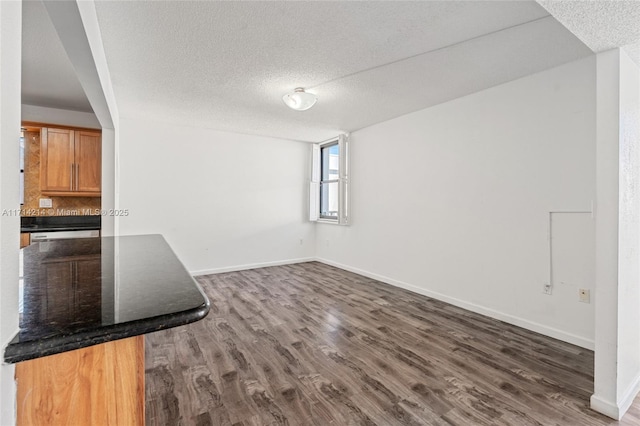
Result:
[[88, 155], [56, 160], [25, 239]]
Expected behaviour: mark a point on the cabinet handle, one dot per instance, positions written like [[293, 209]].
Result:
[[71, 178], [77, 177]]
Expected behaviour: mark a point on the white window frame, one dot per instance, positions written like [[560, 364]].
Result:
[[343, 181]]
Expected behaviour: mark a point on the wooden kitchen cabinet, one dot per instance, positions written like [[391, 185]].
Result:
[[70, 162], [97, 385], [25, 239]]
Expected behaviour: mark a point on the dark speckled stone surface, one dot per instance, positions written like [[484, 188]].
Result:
[[81, 292], [59, 223]]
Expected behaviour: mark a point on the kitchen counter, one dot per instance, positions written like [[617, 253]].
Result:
[[82, 292], [60, 223], [85, 307]]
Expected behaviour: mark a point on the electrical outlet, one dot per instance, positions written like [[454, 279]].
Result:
[[546, 288], [46, 203], [584, 295]]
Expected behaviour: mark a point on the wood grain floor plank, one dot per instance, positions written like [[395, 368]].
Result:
[[309, 344]]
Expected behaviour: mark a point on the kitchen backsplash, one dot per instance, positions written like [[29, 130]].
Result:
[[61, 206]]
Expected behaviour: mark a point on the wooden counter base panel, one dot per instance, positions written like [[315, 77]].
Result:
[[98, 385]]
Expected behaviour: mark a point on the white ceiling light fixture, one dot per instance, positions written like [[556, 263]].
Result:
[[300, 100]]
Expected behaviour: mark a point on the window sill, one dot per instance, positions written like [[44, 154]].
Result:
[[329, 221]]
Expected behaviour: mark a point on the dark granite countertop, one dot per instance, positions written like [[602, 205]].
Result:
[[81, 292], [59, 223]]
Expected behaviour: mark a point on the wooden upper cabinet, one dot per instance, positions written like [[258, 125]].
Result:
[[88, 152], [56, 162], [70, 162]]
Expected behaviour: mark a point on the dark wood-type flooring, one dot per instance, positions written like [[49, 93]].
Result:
[[309, 344]]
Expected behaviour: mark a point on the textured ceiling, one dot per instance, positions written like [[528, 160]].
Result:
[[226, 65], [48, 79], [601, 25]]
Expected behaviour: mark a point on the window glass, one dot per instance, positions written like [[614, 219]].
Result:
[[329, 165], [330, 162], [329, 200]]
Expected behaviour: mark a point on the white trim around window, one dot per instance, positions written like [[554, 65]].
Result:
[[329, 185]]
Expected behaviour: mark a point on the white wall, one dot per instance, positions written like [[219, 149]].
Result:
[[617, 358], [629, 230], [59, 116], [10, 50], [107, 195], [453, 201], [222, 200], [101, 96]]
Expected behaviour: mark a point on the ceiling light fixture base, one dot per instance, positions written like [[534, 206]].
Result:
[[299, 99]]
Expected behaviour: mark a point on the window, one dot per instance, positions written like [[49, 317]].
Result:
[[329, 179], [329, 182]]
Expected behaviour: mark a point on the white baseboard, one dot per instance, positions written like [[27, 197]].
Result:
[[511, 319], [251, 266], [629, 396], [605, 407], [520, 322]]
